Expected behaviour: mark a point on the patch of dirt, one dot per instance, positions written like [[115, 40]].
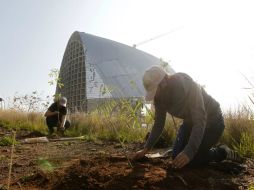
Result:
[[4, 131], [97, 165], [21, 134], [98, 173], [26, 134]]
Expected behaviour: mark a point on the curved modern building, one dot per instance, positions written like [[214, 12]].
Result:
[[96, 69]]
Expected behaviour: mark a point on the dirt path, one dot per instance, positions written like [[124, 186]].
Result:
[[86, 165]]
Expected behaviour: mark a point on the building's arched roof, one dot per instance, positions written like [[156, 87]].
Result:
[[96, 68], [120, 66]]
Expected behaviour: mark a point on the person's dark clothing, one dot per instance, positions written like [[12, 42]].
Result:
[[52, 123], [62, 111], [55, 120], [183, 98], [205, 153]]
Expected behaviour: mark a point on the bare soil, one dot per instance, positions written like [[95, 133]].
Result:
[[99, 165]]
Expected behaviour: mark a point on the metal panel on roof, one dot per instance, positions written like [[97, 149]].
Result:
[[112, 68], [109, 65], [116, 66]]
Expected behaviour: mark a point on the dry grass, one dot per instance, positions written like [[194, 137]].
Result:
[[13, 119], [239, 131], [238, 122], [97, 126], [124, 125], [116, 122]]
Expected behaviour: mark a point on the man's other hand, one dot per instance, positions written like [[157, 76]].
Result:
[[140, 154], [180, 160]]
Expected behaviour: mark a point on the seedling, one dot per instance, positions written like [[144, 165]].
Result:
[[45, 165]]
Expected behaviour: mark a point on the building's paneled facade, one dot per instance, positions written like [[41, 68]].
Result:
[[73, 76]]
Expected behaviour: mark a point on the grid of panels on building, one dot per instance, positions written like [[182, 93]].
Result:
[[73, 76]]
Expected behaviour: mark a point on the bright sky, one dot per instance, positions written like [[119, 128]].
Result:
[[213, 41]]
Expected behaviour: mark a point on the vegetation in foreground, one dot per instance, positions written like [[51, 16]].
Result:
[[116, 121]]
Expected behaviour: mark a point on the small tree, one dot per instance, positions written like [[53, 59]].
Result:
[[56, 80], [30, 102]]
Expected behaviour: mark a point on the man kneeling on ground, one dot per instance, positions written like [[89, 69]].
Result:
[[56, 116], [203, 123]]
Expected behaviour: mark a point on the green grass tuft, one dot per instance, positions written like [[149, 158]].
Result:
[[45, 165], [7, 141], [245, 146]]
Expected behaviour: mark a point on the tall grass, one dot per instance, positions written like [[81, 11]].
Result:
[[95, 125], [114, 120], [239, 131], [14, 119], [121, 120], [118, 120]]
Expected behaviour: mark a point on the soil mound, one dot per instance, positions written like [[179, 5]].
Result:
[[116, 173]]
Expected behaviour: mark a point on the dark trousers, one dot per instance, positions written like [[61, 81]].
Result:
[[51, 123], [206, 152]]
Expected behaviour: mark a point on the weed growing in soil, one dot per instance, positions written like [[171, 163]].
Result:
[[7, 141], [27, 177], [45, 165], [3, 187], [2, 157]]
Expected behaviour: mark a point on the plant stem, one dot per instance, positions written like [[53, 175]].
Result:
[[125, 153], [123, 146], [11, 161]]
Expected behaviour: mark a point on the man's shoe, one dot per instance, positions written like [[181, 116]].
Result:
[[232, 155]]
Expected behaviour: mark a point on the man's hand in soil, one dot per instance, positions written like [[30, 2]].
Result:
[[61, 128], [140, 154], [180, 160]]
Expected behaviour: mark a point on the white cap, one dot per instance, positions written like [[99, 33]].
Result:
[[63, 101], [151, 79]]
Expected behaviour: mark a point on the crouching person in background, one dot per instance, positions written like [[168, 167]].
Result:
[[56, 116]]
